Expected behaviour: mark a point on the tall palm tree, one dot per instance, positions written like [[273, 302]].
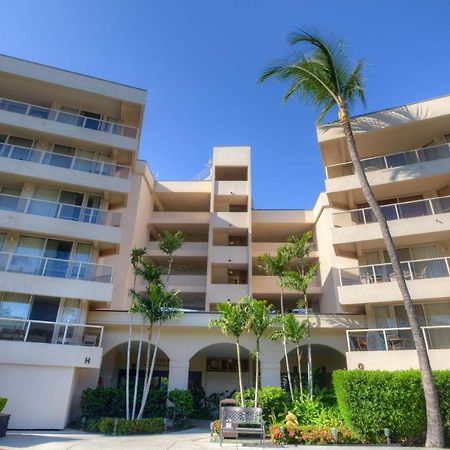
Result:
[[323, 74], [260, 319], [294, 331], [232, 321], [276, 266], [299, 249]]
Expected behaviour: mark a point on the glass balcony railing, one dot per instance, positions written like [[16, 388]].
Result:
[[383, 273], [76, 120], [56, 268], [394, 211], [64, 161], [392, 160], [384, 339], [59, 210], [50, 332]]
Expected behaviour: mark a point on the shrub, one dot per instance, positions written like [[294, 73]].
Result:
[[373, 400], [313, 412], [125, 427], [92, 425], [3, 402], [183, 403]]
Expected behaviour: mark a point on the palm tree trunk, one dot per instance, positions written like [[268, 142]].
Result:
[[241, 387], [299, 359], [150, 374], [308, 349], [138, 366], [127, 381], [257, 372], [286, 359], [147, 359], [435, 433]]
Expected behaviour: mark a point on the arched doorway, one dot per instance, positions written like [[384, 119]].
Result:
[[325, 360]]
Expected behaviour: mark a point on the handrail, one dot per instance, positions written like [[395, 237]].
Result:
[[413, 154], [84, 339], [367, 215], [372, 275], [60, 210], [399, 338], [68, 118], [54, 267], [54, 159]]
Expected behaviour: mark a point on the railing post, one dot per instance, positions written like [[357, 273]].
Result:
[[410, 270], [385, 339], [425, 338], [447, 265], [397, 211], [45, 267], [374, 275], [101, 337], [340, 276], [27, 332], [430, 201], [65, 334], [348, 340]]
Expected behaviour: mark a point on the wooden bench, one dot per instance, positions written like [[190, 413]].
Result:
[[240, 420]]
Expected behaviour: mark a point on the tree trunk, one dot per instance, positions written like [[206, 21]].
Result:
[[285, 344], [147, 359], [241, 387], [127, 380], [257, 372], [308, 349], [149, 379], [299, 359], [138, 366], [435, 433]]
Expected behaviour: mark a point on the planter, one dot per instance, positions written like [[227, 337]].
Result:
[[4, 419]]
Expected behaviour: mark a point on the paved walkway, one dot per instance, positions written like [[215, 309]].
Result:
[[194, 439]]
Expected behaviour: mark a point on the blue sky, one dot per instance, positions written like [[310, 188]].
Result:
[[200, 59]]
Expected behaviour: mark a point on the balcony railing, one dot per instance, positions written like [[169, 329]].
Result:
[[64, 161], [385, 339], [391, 160], [52, 267], [67, 118], [394, 211], [59, 210], [381, 273], [50, 332]]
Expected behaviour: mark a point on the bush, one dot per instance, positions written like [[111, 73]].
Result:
[[126, 427], [3, 402], [373, 400], [92, 425], [183, 403], [313, 412]]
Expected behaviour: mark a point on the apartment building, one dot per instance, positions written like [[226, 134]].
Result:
[[75, 200]]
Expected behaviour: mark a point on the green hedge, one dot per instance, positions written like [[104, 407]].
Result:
[[370, 401], [125, 427], [3, 402]]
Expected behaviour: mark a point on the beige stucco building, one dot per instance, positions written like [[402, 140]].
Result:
[[75, 200]]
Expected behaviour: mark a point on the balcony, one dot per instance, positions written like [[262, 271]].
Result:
[[230, 219], [75, 120], [263, 285], [56, 277], [399, 166], [394, 349], [231, 188], [188, 249], [50, 332], [419, 217], [261, 248], [188, 217], [64, 169], [372, 283], [223, 254], [222, 292]]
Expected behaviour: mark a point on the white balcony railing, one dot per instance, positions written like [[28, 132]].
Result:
[[64, 161], [385, 339], [59, 210], [67, 118], [391, 160], [394, 211], [50, 332], [57, 268], [381, 273]]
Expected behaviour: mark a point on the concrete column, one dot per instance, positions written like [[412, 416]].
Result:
[[178, 375], [270, 373]]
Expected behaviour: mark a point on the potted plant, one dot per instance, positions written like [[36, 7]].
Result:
[[4, 418]]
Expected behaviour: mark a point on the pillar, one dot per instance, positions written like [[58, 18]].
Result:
[[270, 373], [178, 375]]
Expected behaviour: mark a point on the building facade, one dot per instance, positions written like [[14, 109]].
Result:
[[75, 200]]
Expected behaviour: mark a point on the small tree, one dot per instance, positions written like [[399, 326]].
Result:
[[294, 331], [169, 244], [232, 322], [260, 320], [277, 266]]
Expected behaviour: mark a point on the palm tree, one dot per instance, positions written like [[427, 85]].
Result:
[[299, 249], [324, 75], [276, 266], [169, 244], [260, 319], [232, 322], [294, 331]]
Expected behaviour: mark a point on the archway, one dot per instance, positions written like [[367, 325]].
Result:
[[325, 360]]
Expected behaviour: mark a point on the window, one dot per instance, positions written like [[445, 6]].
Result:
[[2, 239], [70, 311], [15, 306], [225, 365]]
